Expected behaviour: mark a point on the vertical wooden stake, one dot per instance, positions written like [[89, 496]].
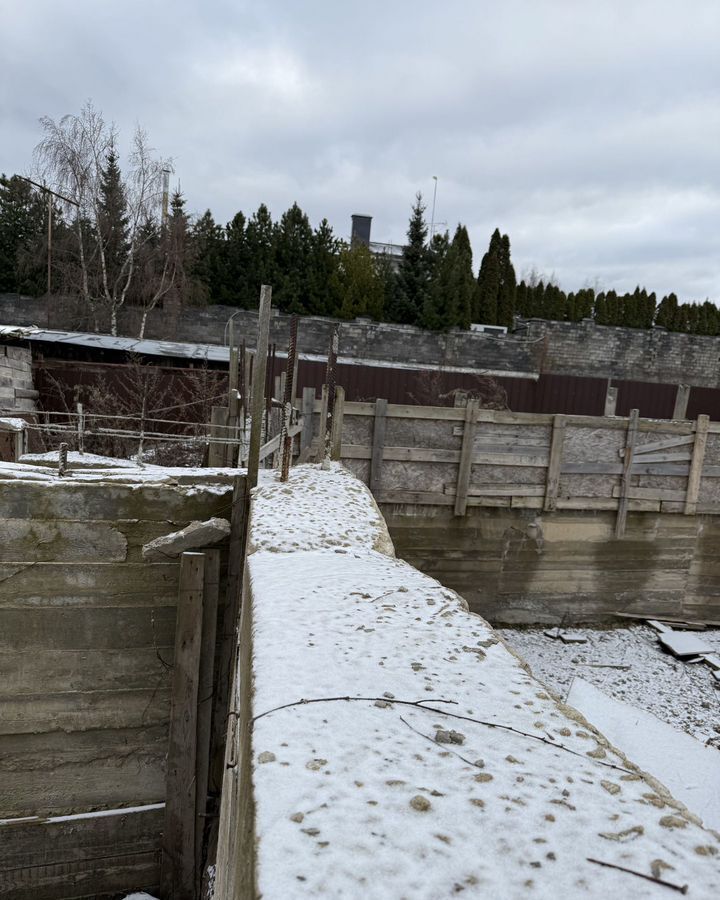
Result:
[[554, 463], [218, 430], [211, 589], [681, 401], [259, 374], [466, 455], [178, 862], [378, 445], [308, 411], [610, 400], [337, 423], [696, 465], [625, 477], [322, 430]]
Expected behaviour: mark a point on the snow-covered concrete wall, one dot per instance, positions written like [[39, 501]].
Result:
[[385, 743]]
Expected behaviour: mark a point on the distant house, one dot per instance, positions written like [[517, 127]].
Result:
[[360, 234]]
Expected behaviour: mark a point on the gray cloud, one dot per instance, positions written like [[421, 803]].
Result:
[[587, 129]]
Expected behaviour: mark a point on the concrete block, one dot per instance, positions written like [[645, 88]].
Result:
[[193, 537]]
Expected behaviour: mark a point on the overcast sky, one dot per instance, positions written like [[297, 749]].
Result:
[[588, 131]]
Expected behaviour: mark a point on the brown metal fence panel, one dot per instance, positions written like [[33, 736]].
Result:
[[704, 401], [655, 401]]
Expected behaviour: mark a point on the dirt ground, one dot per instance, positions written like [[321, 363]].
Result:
[[683, 695]]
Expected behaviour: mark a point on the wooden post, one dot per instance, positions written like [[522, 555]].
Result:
[[466, 455], [555, 462], [178, 861], [218, 430], [681, 401], [378, 445], [259, 374], [229, 620], [211, 588], [625, 477], [610, 400], [337, 423], [696, 465], [322, 428], [308, 411]]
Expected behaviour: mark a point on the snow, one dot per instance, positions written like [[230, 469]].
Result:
[[141, 896], [75, 458], [190, 480], [10, 423], [401, 750], [687, 768], [679, 693]]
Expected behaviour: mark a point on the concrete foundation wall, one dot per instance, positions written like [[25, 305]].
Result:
[[519, 566], [86, 652]]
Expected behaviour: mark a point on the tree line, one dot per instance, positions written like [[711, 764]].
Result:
[[114, 245]]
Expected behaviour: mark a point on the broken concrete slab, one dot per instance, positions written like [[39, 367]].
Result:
[[683, 645], [193, 537]]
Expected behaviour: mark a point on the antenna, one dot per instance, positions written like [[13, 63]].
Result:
[[432, 216]]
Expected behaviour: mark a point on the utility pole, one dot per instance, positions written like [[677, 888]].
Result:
[[50, 195]]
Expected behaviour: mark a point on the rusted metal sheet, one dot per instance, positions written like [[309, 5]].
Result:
[[704, 401]]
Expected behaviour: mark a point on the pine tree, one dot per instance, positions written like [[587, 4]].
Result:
[[438, 309], [323, 295], [667, 312], [235, 288], [489, 282], [112, 223], [464, 284], [293, 251], [23, 240], [413, 279], [209, 266], [506, 293], [262, 269], [359, 284]]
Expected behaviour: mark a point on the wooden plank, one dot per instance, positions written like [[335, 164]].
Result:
[[641, 493], [419, 497], [625, 477], [466, 455], [681, 401], [696, 466], [178, 861], [378, 445], [211, 593], [510, 459], [555, 463], [218, 431], [337, 423], [610, 399], [655, 446], [652, 458], [499, 490], [308, 407], [229, 621], [258, 394]]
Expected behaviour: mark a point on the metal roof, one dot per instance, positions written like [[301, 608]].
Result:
[[211, 352]]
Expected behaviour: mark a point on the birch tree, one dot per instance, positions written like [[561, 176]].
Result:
[[77, 157]]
